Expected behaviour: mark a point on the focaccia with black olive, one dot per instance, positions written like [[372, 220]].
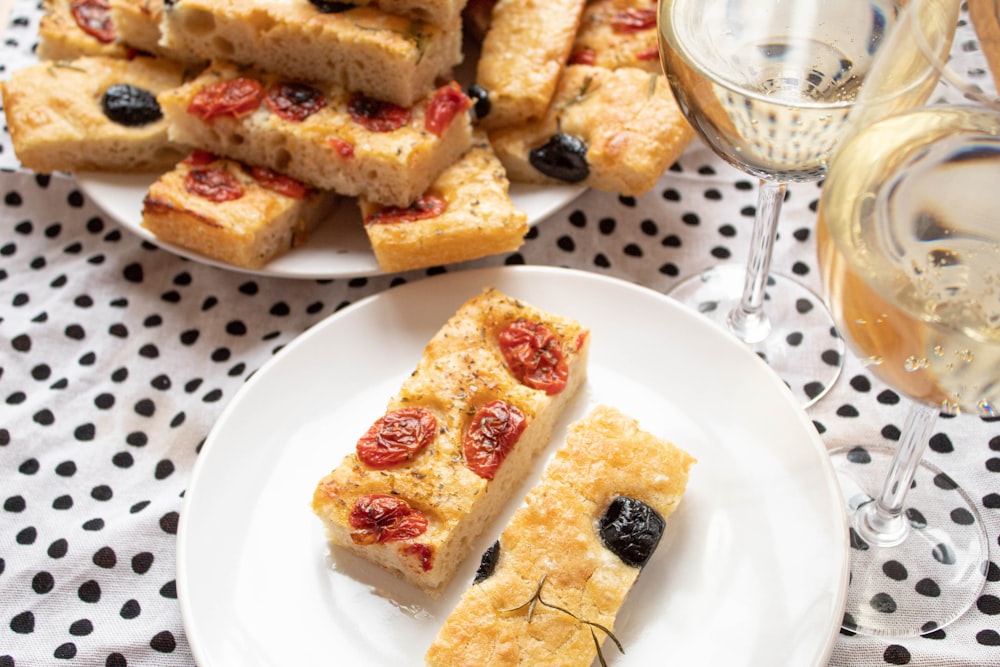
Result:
[[612, 130], [415, 511], [58, 119], [579, 542]]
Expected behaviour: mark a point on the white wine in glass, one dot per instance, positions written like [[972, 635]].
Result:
[[909, 248], [769, 86]]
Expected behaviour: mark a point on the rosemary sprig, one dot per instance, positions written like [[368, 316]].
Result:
[[536, 599]]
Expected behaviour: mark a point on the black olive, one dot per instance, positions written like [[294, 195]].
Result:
[[481, 107], [563, 157], [488, 563], [328, 7], [130, 105], [631, 529]]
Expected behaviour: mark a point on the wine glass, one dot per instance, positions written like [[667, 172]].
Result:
[[768, 85], [909, 252]]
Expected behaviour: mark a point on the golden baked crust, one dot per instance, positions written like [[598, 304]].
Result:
[[524, 50], [328, 149], [392, 58], [137, 23], [627, 119], [461, 371], [554, 536], [56, 120], [480, 218], [618, 33], [247, 231], [61, 38], [436, 12]]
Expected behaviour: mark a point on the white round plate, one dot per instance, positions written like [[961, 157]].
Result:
[[752, 569], [338, 248]]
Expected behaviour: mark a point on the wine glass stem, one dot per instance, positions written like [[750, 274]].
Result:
[[748, 320], [882, 522]]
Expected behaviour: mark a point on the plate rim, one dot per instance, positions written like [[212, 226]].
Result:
[[98, 187], [191, 494]]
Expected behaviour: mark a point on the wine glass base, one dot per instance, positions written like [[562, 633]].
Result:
[[926, 580], [802, 347]]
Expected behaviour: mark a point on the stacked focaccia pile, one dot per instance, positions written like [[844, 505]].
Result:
[[294, 102]]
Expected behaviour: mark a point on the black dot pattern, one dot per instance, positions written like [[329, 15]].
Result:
[[118, 357]]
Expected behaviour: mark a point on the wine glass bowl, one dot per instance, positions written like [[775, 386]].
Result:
[[908, 241], [769, 86]]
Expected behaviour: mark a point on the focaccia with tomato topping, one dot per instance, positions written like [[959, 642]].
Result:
[[92, 113], [322, 135], [466, 213], [462, 432], [524, 50], [232, 213], [612, 130], [579, 543], [70, 29], [618, 33], [392, 58]]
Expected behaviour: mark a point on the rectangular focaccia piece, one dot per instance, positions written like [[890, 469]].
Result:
[[137, 25], [524, 50], [466, 213], [392, 58], [618, 33], [322, 135], [61, 37], [57, 120], [483, 417], [232, 213], [435, 12], [618, 131], [579, 541]]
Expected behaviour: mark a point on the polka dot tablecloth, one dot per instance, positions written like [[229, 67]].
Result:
[[117, 358]]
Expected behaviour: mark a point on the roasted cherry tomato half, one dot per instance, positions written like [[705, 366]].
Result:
[[396, 437], [379, 517], [534, 355], [492, 433]]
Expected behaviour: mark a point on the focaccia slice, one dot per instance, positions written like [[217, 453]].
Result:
[[363, 49], [86, 114], [466, 213], [611, 130], [137, 23], [524, 50], [321, 134], [579, 543], [435, 12], [70, 29], [458, 437], [224, 210], [618, 33]]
